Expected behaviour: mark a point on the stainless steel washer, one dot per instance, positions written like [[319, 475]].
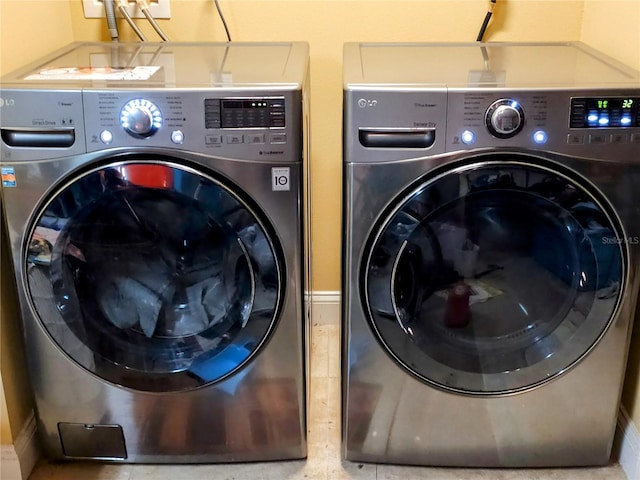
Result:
[[491, 237], [153, 199]]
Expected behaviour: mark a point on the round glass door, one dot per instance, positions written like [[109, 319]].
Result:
[[154, 276], [493, 277]]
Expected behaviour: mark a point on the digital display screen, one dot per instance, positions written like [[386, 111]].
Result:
[[605, 112], [244, 113]]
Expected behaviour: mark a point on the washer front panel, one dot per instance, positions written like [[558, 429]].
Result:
[[154, 276], [493, 277]]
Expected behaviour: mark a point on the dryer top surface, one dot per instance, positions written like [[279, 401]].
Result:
[[484, 65], [148, 65]]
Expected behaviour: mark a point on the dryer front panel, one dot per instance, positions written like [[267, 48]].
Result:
[[153, 275], [493, 277]]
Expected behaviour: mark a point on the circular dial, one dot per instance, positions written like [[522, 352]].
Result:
[[504, 118], [140, 118]]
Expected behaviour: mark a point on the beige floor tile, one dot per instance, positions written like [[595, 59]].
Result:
[[392, 472], [80, 471], [334, 366], [320, 351], [261, 470]]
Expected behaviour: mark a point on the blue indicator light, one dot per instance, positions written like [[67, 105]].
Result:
[[593, 117], [540, 137], [603, 121], [625, 121], [468, 137]]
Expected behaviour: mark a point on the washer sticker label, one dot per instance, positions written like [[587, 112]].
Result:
[[8, 177], [280, 179]]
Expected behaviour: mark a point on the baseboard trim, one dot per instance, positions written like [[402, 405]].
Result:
[[27, 448], [320, 297], [628, 441]]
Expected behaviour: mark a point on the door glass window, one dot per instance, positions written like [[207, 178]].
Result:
[[493, 277], [154, 276]]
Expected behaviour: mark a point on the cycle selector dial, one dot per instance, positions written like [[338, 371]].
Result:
[[140, 118], [504, 118]]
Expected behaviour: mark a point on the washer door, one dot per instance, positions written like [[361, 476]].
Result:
[[154, 276], [493, 277]]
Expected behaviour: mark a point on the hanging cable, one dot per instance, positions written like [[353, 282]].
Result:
[[224, 22], [122, 8], [144, 7], [485, 23], [110, 14]]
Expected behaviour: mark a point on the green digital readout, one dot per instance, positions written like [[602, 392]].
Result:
[[605, 112]]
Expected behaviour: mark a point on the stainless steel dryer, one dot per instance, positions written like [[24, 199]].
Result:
[[491, 237], [153, 199]]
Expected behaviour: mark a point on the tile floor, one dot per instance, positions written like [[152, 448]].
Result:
[[323, 462]]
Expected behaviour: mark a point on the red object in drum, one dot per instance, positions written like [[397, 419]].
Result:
[[152, 176], [458, 313]]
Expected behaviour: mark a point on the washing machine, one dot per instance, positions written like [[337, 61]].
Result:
[[491, 232], [153, 198]]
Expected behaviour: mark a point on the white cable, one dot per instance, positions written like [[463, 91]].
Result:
[[122, 7], [144, 7]]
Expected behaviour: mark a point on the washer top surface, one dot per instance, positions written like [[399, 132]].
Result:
[[484, 65], [165, 65]]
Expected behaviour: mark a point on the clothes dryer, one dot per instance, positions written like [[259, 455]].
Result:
[[153, 199], [490, 252]]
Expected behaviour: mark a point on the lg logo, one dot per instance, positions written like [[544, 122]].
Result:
[[364, 103], [7, 102]]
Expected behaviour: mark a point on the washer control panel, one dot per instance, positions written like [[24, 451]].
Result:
[[262, 125], [231, 124]]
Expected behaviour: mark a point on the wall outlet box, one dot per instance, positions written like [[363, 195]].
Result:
[[158, 8]]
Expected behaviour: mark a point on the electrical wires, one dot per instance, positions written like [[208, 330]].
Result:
[[224, 22], [485, 23]]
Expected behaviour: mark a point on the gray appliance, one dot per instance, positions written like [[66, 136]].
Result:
[[153, 197], [491, 236]]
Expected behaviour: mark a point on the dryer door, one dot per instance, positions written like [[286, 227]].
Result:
[[154, 276], [494, 277]]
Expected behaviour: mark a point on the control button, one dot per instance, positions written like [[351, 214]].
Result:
[[106, 137], [233, 139], [213, 139], [177, 137], [504, 118], [540, 137], [619, 138], [468, 137], [256, 138], [575, 139], [597, 139], [635, 138], [277, 138]]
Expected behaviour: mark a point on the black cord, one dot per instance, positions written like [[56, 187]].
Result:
[[224, 22], [485, 23]]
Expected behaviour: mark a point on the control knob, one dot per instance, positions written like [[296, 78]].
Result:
[[140, 118], [504, 118]]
